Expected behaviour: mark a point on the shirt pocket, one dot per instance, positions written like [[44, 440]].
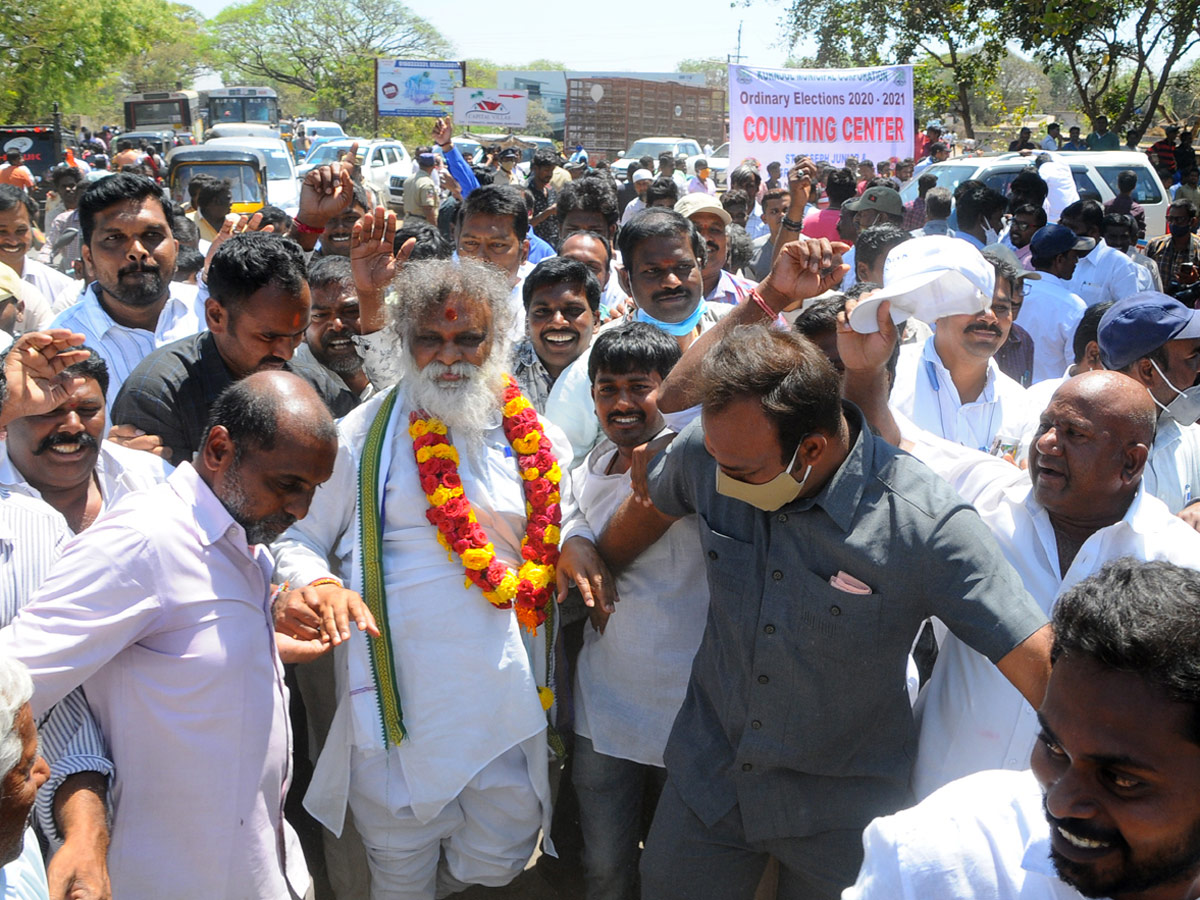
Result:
[[730, 566], [832, 622]]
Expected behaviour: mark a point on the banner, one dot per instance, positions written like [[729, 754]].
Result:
[[490, 109], [825, 114], [415, 87]]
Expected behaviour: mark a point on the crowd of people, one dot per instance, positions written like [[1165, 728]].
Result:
[[788, 541]]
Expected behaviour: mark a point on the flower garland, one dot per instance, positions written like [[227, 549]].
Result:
[[527, 589]]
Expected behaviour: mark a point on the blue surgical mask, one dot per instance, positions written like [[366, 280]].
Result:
[[675, 329]]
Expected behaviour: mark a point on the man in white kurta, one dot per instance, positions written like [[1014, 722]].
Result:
[[971, 721], [469, 780]]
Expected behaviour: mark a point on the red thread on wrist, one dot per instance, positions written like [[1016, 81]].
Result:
[[762, 304], [306, 229]]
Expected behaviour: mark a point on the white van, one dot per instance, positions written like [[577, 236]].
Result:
[[1095, 177]]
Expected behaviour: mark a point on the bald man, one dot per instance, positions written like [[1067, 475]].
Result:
[[1080, 505], [161, 611]]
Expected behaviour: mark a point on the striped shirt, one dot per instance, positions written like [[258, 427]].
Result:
[[122, 347], [32, 535]]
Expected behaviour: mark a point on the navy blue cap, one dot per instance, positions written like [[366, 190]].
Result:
[[1137, 326], [1051, 240]]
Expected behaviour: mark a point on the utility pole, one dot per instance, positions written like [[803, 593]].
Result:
[[736, 57]]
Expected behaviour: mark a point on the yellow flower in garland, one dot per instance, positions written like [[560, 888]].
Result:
[[539, 576], [553, 536], [478, 559], [554, 474], [516, 405], [547, 697], [437, 451], [422, 427], [528, 444], [443, 494]]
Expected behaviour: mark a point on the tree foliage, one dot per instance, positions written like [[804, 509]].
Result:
[[1119, 53], [961, 37], [49, 53], [326, 50]]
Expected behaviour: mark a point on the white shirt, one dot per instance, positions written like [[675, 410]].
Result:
[[631, 680], [1104, 274], [32, 535], [1051, 313], [925, 393], [1173, 470], [971, 717], [467, 685], [984, 838], [24, 878], [49, 281], [696, 186], [730, 289], [163, 614], [123, 348], [1049, 143], [1060, 184], [516, 300], [632, 208], [119, 471]]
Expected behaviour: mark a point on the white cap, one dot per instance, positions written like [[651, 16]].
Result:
[[929, 277], [642, 175]]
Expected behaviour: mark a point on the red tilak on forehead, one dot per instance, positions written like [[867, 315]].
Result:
[[451, 313]]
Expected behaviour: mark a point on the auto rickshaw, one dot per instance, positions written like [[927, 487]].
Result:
[[244, 170]]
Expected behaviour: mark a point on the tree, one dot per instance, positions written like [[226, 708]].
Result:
[[49, 54], [715, 71], [866, 33], [1110, 48], [327, 50]]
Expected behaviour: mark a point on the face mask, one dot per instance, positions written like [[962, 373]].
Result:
[[1185, 408], [675, 329], [769, 496], [1179, 229], [990, 237]]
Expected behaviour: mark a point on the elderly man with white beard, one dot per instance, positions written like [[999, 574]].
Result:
[[438, 536]]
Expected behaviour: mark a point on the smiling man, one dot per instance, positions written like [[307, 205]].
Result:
[[1109, 809], [1081, 504], [61, 457], [17, 221], [329, 340], [633, 669], [257, 312], [562, 302]]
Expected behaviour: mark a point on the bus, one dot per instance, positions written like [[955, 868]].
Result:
[[177, 111], [258, 105]]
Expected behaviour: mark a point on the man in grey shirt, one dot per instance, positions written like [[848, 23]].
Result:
[[826, 549]]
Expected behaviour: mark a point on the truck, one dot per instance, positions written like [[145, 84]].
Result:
[[606, 115], [41, 149]]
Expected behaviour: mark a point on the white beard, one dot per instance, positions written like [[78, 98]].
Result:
[[469, 408]]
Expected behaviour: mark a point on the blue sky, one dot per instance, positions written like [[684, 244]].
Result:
[[601, 35]]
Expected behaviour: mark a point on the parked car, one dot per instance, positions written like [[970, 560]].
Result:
[[382, 161], [283, 187], [653, 146], [1095, 177]]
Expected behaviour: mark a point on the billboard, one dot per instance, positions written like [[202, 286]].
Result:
[[825, 114], [488, 110], [416, 87]]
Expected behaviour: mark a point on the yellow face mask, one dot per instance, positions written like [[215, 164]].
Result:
[[768, 496]]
